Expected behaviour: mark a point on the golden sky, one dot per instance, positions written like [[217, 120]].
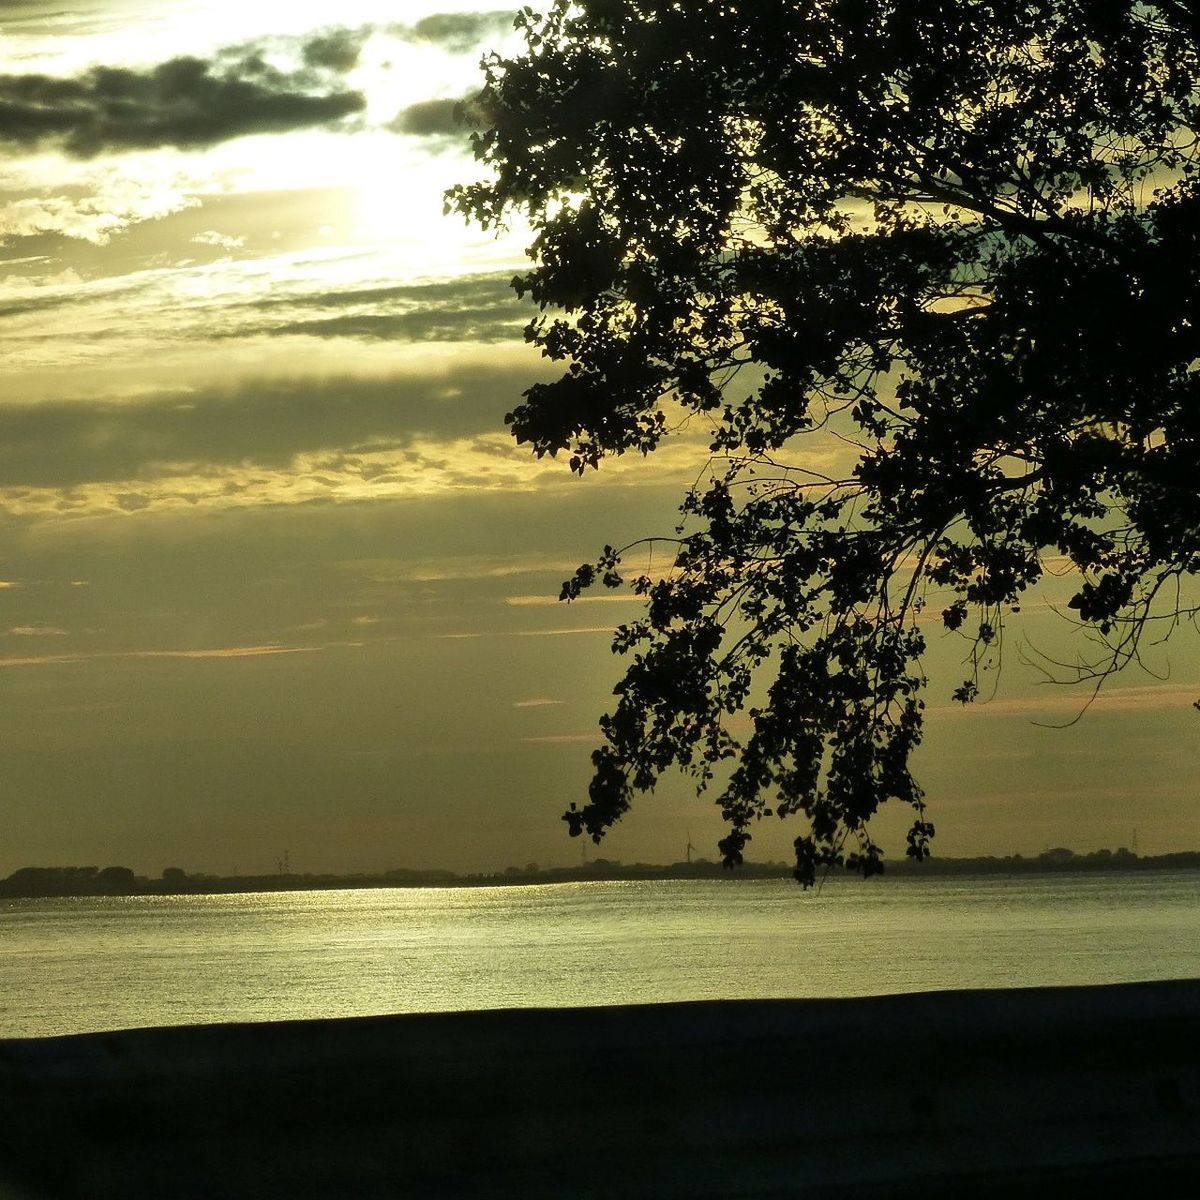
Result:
[[272, 575]]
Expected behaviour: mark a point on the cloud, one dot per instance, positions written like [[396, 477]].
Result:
[[44, 660], [335, 49], [424, 470], [104, 205], [187, 103], [457, 32], [223, 652], [151, 459], [37, 631], [1070, 703], [440, 118], [33, 18], [265, 423], [41, 660], [210, 237], [295, 576], [471, 308], [429, 118], [456, 568], [543, 601], [564, 739], [476, 308], [487, 289], [531, 633], [605, 629], [537, 702], [409, 327]]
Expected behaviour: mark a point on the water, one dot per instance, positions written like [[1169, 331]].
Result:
[[74, 965]]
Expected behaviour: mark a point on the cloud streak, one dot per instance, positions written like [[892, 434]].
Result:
[[219, 652], [474, 308], [42, 660], [477, 308], [225, 652], [564, 739], [527, 633], [1069, 704], [548, 601]]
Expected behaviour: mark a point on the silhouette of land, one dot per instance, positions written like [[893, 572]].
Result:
[[122, 881], [1067, 1092]]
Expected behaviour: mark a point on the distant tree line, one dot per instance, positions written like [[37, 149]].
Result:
[[1058, 858], [28, 882], [70, 881]]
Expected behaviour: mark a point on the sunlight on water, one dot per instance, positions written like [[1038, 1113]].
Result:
[[106, 963]]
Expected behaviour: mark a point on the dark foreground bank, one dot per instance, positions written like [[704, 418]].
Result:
[[1070, 1092]]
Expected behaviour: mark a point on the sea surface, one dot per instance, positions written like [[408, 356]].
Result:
[[75, 965]]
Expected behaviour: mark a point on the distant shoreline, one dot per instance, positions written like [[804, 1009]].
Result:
[[35, 882]]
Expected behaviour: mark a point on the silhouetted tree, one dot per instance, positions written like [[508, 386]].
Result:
[[959, 243], [116, 880]]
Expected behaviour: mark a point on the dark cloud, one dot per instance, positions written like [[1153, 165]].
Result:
[[478, 325], [335, 49], [428, 118], [449, 118], [18, 308], [186, 102], [479, 308], [489, 290], [263, 423], [458, 32]]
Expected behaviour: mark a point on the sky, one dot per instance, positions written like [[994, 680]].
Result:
[[273, 576]]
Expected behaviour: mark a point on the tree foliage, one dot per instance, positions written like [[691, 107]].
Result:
[[959, 240]]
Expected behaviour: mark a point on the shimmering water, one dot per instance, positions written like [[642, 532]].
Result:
[[106, 963]]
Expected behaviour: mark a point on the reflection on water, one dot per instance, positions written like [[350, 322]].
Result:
[[115, 962]]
